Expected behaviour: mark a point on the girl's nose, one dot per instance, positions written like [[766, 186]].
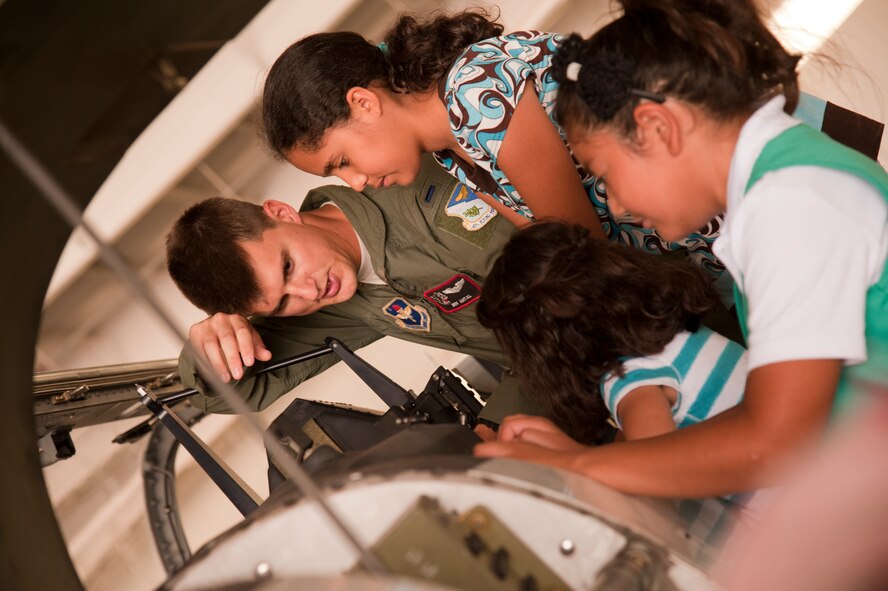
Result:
[[354, 180], [616, 208]]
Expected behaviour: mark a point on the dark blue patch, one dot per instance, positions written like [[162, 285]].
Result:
[[407, 315], [430, 193]]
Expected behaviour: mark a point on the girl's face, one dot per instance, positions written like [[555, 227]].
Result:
[[648, 182], [374, 153]]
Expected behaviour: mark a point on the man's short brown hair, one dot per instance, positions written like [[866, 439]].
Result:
[[205, 259]]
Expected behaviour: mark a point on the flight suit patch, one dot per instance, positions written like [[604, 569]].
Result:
[[454, 294], [471, 210], [408, 316], [466, 216]]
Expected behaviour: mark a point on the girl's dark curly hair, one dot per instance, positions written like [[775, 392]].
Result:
[[716, 54], [305, 92], [567, 308]]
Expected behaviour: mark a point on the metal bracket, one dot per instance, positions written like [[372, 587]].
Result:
[[78, 393], [387, 390]]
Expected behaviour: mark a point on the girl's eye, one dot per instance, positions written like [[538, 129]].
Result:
[[343, 163]]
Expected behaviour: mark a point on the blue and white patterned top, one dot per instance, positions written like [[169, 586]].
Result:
[[481, 91], [707, 370]]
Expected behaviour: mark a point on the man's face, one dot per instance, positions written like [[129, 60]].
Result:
[[299, 269]]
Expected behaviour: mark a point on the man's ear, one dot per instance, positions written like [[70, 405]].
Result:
[[363, 103], [658, 126], [281, 212]]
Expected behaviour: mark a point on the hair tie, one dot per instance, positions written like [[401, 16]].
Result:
[[613, 85], [383, 47], [572, 72]]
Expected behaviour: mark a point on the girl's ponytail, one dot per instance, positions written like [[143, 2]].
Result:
[[421, 52]]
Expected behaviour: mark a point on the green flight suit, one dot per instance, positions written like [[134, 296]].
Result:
[[414, 246]]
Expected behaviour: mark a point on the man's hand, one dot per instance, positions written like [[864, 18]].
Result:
[[229, 342]]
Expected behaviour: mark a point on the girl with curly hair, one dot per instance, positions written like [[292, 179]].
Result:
[[604, 333]]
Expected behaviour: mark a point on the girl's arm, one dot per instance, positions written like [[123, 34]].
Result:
[[785, 408], [504, 210], [647, 412], [540, 167]]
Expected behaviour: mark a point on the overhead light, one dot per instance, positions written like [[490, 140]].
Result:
[[804, 25]]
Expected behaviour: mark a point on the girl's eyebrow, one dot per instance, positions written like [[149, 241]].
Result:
[[328, 168]]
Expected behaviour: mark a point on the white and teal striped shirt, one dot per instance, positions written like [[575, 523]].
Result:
[[707, 370]]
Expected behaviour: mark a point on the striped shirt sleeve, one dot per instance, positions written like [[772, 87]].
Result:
[[640, 371]]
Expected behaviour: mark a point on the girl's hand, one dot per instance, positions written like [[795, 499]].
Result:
[[538, 431], [533, 439], [485, 432]]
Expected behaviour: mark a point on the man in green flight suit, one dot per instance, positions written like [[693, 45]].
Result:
[[401, 261]]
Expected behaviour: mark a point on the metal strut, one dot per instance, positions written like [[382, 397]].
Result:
[[238, 492]]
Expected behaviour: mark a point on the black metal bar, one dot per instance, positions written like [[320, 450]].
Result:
[[307, 356], [387, 390], [236, 490], [169, 399]]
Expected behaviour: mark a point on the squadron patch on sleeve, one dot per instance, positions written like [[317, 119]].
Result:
[[408, 316], [469, 208], [454, 294]]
